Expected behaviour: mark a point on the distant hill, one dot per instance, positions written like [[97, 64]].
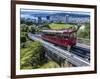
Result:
[[53, 14]]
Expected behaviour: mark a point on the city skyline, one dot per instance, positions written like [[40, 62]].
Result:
[[39, 16]]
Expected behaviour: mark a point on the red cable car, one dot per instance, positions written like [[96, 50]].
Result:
[[66, 38]]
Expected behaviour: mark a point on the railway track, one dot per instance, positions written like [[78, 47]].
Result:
[[79, 51], [82, 52]]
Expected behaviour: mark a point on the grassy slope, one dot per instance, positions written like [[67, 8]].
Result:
[[26, 55], [59, 26]]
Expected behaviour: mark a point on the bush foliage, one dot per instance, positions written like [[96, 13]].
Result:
[[30, 56]]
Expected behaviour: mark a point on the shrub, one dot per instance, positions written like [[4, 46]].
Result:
[[31, 56]]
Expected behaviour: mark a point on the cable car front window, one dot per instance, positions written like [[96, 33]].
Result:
[[65, 36]]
